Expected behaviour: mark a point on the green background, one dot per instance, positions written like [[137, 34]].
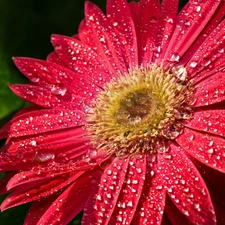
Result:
[[25, 29]]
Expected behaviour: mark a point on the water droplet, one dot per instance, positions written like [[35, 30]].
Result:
[[115, 24], [162, 147], [206, 62], [35, 79], [180, 73], [185, 212], [130, 204], [221, 50], [43, 156], [210, 151], [175, 58], [159, 187], [58, 89], [153, 20], [193, 64], [139, 170], [198, 8], [210, 143]]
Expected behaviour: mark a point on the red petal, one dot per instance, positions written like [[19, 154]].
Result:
[[69, 203], [211, 90], [152, 201], [99, 34], [42, 121], [206, 148], [148, 14], [36, 190], [103, 199], [187, 189], [124, 28], [38, 208], [131, 191], [133, 10], [190, 22], [49, 74], [210, 121], [53, 57], [209, 55], [54, 96], [216, 18], [174, 214], [169, 11], [215, 181], [82, 59]]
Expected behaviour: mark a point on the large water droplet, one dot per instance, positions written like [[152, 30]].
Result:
[[58, 89], [43, 156]]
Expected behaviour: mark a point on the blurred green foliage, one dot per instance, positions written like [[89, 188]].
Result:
[[25, 30]]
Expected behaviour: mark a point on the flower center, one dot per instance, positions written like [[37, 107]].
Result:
[[141, 111]]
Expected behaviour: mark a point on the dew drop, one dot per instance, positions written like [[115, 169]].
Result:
[[175, 58], [35, 79], [58, 89], [33, 143], [193, 64], [43, 157], [198, 8], [210, 151], [159, 187], [206, 62], [153, 20], [180, 73], [139, 170], [115, 24]]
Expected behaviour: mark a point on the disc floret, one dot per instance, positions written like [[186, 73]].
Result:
[[141, 111]]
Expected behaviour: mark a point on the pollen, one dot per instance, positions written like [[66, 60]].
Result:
[[141, 111]]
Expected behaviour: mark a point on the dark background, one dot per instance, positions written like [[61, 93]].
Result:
[[25, 29]]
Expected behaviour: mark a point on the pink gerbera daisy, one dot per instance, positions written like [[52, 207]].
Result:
[[128, 121]]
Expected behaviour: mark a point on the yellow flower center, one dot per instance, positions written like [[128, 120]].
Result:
[[141, 111]]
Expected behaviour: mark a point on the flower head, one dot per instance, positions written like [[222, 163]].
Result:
[[128, 119]]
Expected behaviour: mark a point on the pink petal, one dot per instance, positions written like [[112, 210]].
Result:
[[103, 199], [69, 203], [187, 189], [151, 205], [41, 121], [215, 181], [124, 29], [133, 10], [61, 146], [204, 147], [50, 74], [210, 90], [174, 214], [53, 57], [147, 28], [210, 121], [167, 24], [131, 191], [54, 96], [206, 32], [190, 22], [209, 55], [38, 208], [99, 34], [36, 190], [82, 59]]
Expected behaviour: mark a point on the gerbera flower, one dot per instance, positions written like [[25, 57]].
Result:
[[127, 115]]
